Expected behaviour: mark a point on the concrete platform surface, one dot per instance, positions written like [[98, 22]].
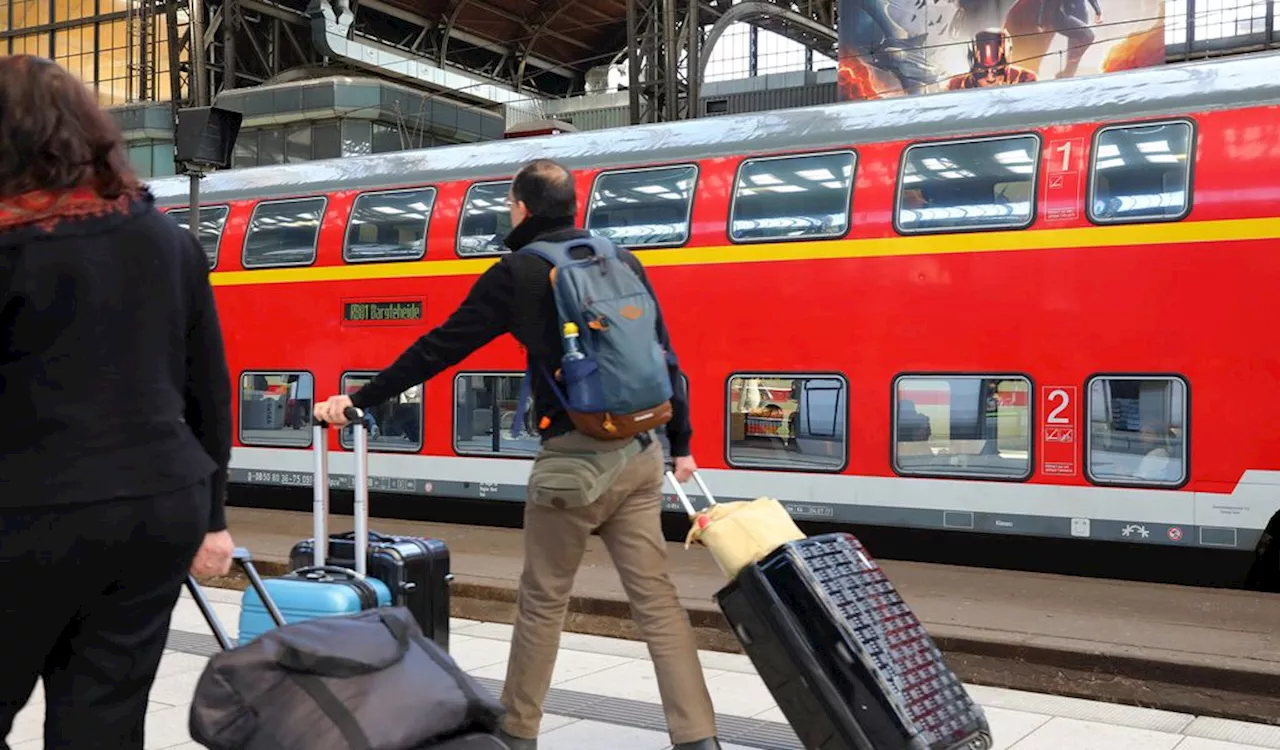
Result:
[[1209, 651], [604, 695]]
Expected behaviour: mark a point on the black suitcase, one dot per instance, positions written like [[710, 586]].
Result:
[[843, 655], [415, 569]]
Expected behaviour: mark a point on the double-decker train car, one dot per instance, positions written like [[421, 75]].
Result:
[[1027, 310]]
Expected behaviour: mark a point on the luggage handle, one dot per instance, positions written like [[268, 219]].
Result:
[[684, 499], [320, 492], [302, 572], [244, 560]]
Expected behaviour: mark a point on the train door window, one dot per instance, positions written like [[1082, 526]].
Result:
[[275, 409], [389, 226], [1141, 173], [212, 220], [283, 233], [959, 185], [485, 219], [394, 426], [785, 421], [962, 426], [485, 406], [792, 197], [639, 208], [1137, 430]]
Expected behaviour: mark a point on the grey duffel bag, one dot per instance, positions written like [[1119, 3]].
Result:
[[367, 681]]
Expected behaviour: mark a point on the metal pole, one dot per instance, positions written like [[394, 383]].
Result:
[[635, 79], [199, 75]]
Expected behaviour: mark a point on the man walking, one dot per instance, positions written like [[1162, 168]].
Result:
[[619, 496]]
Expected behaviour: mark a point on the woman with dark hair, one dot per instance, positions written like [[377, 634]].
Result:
[[115, 413]]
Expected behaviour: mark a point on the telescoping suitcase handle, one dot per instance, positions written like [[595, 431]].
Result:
[[242, 558], [684, 499], [320, 489]]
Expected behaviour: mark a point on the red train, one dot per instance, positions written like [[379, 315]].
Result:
[[1028, 310]]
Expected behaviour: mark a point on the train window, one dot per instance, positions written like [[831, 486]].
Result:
[[485, 407], [212, 220], [639, 208], [395, 425], [283, 233], [389, 226], [486, 219], [787, 422], [1141, 173], [963, 426], [275, 408], [1137, 430], [980, 184], [485, 411], [792, 197]]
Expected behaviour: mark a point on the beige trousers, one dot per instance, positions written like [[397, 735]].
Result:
[[627, 517]]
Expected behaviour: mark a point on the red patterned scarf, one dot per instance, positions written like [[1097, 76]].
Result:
[[47, 208]]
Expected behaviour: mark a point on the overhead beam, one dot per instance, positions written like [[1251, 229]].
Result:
[[816, 36]]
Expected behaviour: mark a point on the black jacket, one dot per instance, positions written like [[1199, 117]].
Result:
[[113, 379], [514, 296]]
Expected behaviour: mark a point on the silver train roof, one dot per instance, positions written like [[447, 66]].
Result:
[[1248, 79]]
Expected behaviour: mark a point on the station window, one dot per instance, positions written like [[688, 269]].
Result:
[[389, 226], [485, 219], [275, 409], [485, 407], [979, 184], [283, 233], [1137, 430], [962, 426], [1141, 173], [792, 197], [787, 422], [395, 426], [212, 220], [639, 208]]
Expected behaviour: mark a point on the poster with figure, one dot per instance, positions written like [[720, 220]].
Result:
[[900, 47]]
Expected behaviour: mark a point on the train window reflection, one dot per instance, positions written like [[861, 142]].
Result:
[[212, 220], [283, 233], [1137, 431], [982, 184], [275, 408], [1141, 173], [964, 426], [389, 226], [394, 426], [485, 406], [485, 220], [643, 207], [792, 197], [787, 422]]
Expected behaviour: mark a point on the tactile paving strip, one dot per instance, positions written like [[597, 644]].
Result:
[[735, 730]]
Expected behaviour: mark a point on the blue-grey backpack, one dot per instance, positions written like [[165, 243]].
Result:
[[621, 386]]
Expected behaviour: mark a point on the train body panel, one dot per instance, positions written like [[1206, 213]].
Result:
[[1048, 336]]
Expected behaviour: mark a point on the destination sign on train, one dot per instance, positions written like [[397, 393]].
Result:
[[374, 312]]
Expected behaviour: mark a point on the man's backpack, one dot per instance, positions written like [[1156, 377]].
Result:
[[621, 386]]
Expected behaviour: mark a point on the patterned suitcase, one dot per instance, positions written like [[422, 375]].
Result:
[[322, 590], [415, 569], [847, 661]]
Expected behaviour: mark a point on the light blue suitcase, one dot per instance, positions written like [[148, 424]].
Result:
[[322, 590]]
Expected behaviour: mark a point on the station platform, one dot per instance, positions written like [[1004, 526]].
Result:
[[1195, 651], [604, 696]]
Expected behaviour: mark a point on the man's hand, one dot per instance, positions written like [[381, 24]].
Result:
[[214, 556], [684, 468], [331, 411]]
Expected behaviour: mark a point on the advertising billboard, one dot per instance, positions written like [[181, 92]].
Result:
[[900, 47]]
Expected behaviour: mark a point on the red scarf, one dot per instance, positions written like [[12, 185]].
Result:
[[48, 208]]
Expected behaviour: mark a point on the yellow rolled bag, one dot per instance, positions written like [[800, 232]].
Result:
[[737, 534]]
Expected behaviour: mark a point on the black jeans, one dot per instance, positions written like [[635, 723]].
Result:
[[86, 593]]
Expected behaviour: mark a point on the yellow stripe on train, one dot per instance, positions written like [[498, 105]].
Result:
[[1227, 230]]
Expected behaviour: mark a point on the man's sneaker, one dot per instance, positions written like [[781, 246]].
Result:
[[711, 743], [520, 743]]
